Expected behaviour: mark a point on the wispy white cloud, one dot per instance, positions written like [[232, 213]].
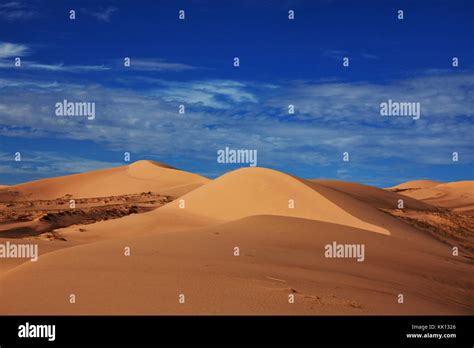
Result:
[[369, 55], [8, 50], [17, 10], [65, 68], [103, 15], [331, 118], [6, 83], [158, 65], [27, 64], [444, 95], [339, 54], [46, 163], [218, 94]]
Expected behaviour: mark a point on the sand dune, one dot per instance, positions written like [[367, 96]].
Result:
[[416, 184], [189, 249], [141, 176], [257, 191], [44, 205], [279, 256], [374, 196], [458, 196]]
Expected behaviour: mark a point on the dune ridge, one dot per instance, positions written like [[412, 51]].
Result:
[[260, 191], [457, 195], [416, 184], [140, 176], [188, 245]]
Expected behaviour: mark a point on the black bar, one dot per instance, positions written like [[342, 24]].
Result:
[[347, 330]]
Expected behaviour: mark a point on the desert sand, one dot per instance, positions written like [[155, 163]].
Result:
[[416, 184], [42, 206], [280, 226], [458, 196], [130, 179]]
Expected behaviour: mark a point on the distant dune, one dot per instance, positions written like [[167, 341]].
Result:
[[42, 206], [141, 176], [458, 195], [417, 184], [374, 196], [281, 226]]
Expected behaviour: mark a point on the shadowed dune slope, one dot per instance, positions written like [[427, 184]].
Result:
[[187, 247], [367, 203], [141, 176], [278, 256], [258, 191], [376, 197]]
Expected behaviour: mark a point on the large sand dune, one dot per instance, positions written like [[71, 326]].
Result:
[[141, 176], [187, 247], [260, 191]]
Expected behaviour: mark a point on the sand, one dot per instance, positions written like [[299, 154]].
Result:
[[45, 205], [416, 184], [258, 191], [458, 196], [190, 250], [141, 176], [279, 256]]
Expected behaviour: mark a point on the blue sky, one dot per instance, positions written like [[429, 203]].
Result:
[[282, 62]]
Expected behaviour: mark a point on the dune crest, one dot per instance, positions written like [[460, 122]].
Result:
[[374, 196], [457, 195], [415, 184], [141, 176], [282, 225], [260, 191], [144, 164]]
